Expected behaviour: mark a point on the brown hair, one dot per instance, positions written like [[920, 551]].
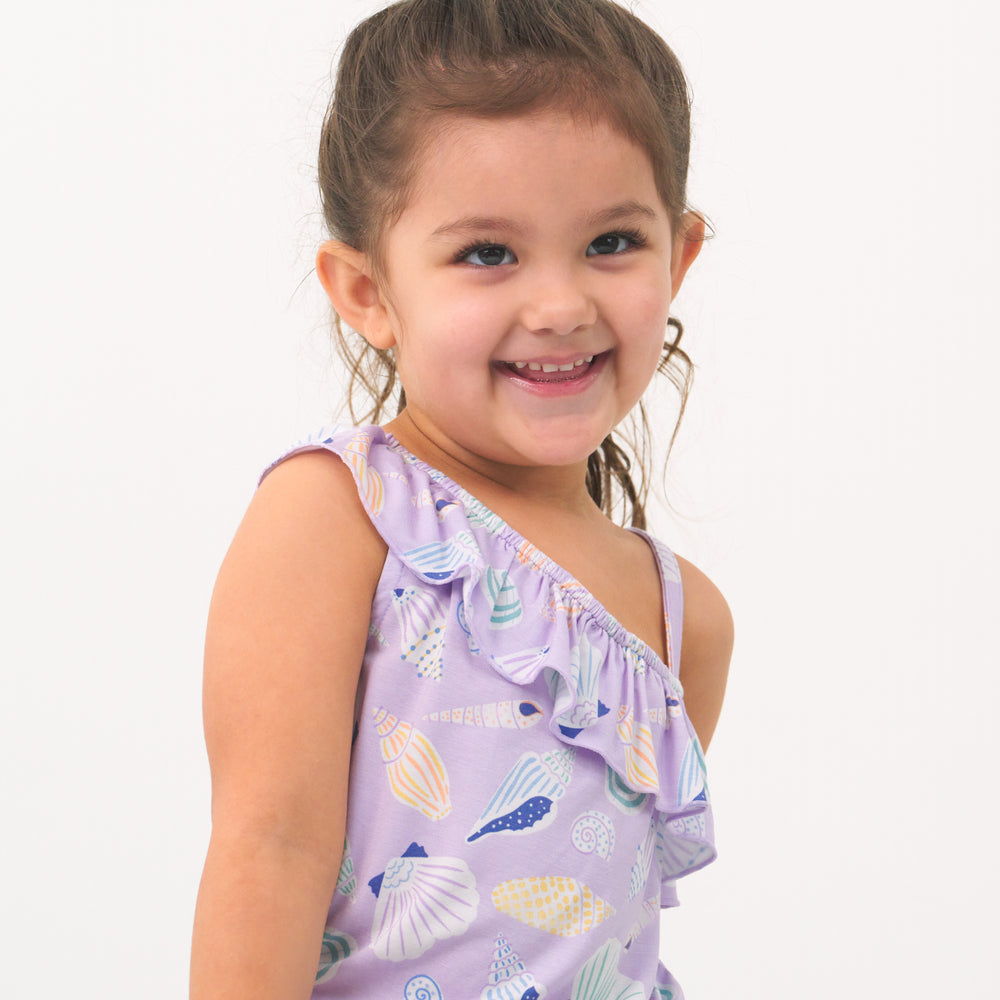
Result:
[[419, 59]]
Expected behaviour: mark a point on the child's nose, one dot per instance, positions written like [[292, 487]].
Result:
[[558, 302]]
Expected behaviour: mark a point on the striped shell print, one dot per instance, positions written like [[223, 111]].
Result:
[[416, 773], [492, 715]]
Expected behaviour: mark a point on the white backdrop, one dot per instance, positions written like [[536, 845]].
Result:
[[836, 475]]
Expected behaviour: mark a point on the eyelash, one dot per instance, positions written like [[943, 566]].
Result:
[[634, 237]]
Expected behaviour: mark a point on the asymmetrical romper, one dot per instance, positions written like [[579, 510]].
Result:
[[525, 785]]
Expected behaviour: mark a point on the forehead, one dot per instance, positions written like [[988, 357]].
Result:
[[538, 165]]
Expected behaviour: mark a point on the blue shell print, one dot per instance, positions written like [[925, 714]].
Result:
[[422, 988], [527, 796]]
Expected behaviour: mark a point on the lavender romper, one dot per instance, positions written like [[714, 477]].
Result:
[[525, 785]]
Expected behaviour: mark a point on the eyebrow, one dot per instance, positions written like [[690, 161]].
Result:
[[480, 223]]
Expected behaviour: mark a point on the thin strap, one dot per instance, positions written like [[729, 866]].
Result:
[[673, 598]]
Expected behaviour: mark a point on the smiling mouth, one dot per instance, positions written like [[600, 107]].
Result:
[[538, 371]]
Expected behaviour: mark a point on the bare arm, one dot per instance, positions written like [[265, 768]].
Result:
[[706, 648], [286, 635]]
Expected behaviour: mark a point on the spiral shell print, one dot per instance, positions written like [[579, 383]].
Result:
[[554, 903], [416, 773], [508, 978], [594, 833], [492, 715], [420, 900], [422, 988]]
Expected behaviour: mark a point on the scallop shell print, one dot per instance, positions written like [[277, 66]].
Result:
[[628, 800], [334, 949], [492, 715], [640, 754], [347, 882], [508, 979], [639, 873], [527, 796], [680, 844], [415, 770], [522, 667], [503, 598], [439, 560], [553, 903], [585, 662], [422, 619], [421, 900], [594, 833], [600, 979], [422, 988], [369, 481]]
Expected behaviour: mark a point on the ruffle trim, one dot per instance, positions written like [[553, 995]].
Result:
[[610, 693]]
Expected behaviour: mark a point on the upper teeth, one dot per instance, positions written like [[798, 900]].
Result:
[[536, 366]]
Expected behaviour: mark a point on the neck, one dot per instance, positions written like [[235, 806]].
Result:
[[561, 489]]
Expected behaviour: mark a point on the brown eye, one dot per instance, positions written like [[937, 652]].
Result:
[[488, 255]]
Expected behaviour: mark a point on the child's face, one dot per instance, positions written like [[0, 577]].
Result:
[[531, 241]]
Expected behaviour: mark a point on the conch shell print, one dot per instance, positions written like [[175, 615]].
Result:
[[422, 619], [415, 770], [421, 900], [509, 980], [584, 709], [494, 715], [555, 903], [439, 560], [527, 796], [600, 979], [628, 800], [503, 597], [640, 755]]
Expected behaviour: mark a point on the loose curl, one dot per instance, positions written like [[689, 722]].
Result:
[[418, 60]]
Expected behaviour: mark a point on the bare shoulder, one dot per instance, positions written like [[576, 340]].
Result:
[[706, 649], [286, 635]]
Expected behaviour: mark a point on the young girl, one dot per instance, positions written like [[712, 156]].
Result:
[[451, 757]]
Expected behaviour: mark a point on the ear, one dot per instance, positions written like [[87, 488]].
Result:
[[346, 276], [687, 245]]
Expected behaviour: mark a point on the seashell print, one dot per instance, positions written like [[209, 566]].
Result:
[[439, 560], [531, 555], [347, 883], [673, 707], [627, 799], [422, 621], [527, 796], [664, 993], [422, 988], [650, 910], [492, 715], [443, 508], [369, 482], [640, 755], [639, 874], [554, 903], [600, 979], [420, 900], [478, 513], [508, 979], [594, 833], [522, 667], [333, 950], [691, 781], [416, 773], [681, 844], [504, 598], [462, 617], [585, 661]]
